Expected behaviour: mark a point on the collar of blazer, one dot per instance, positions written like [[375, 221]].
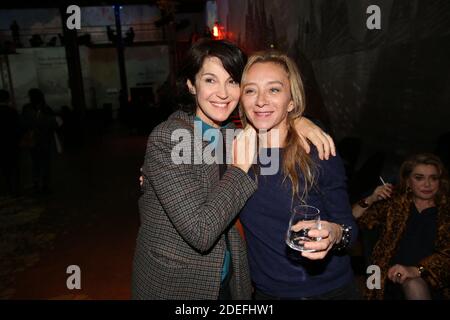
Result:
[[188, 120]]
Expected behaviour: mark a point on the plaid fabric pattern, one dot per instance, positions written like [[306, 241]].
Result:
[[185, 210]]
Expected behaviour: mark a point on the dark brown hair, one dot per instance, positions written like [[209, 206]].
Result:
[[232, 58]]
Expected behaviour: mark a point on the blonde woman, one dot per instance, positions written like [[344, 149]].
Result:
[[272, 99], [188, 246]]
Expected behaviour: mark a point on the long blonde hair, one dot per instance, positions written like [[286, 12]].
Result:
[[295, 156]]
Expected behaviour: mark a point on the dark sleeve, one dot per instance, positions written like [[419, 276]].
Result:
[[437, 265], [49, 121], [17, 126], [333, 187], [199, 220]]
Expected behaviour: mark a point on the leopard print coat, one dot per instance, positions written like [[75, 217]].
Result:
[[391, 215]]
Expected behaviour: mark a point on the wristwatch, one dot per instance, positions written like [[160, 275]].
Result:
[[345, 239], [421, 270], [363, 203]]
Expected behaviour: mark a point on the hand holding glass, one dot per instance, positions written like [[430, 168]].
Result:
[[303, 219]]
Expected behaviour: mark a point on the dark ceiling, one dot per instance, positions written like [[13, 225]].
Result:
[[183, 6]]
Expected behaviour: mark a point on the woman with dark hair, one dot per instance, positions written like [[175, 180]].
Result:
[[413, 250], [188, 246], [272, 100]]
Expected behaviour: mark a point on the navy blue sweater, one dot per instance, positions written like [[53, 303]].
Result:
[[275, 268]]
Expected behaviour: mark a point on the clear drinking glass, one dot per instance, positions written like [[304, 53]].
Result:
[[308, 217]]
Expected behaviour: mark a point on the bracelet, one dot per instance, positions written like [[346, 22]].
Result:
[[345, 239], [421, 270], [363, 203]]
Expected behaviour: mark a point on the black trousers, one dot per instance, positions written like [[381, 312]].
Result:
[[41, 166], [9, 168]]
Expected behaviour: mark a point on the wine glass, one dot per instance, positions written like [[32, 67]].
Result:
[[306, 218]]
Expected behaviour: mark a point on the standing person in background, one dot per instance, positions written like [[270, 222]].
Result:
[[188, 246], [39, 123], [413, 250]]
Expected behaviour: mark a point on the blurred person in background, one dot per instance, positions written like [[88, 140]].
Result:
[[413, 250]]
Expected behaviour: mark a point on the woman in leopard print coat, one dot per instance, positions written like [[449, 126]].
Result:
[[413, 250]]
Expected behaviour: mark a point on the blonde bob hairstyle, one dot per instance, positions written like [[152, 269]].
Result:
[[413, 161]]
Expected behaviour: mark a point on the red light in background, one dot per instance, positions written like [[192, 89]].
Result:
[[217, 31]]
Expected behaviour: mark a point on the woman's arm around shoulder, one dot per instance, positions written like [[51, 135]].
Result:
[[199, 215]]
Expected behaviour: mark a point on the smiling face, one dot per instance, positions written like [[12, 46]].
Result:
[[424, 181], [266, 96], [216, 93]]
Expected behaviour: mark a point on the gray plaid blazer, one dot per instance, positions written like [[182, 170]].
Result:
[[185, 211]]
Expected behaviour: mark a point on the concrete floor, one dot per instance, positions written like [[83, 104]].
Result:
[[95, 188]]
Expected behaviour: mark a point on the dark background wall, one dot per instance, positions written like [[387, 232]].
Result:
[[388, 87]]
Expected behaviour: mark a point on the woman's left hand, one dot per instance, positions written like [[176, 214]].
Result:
[[329, 234], [307, 130], [399, 273]]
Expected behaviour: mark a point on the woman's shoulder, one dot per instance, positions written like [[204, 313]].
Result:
[[332, 163], [179, 120]]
